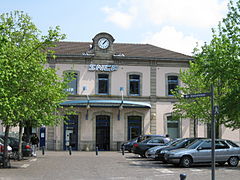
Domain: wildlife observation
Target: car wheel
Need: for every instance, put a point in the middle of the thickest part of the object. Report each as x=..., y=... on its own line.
x=164, y=161
x=186, y=161
x=143, y=155
x=233, y=161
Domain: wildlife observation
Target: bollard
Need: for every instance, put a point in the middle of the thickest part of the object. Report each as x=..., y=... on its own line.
x=183, y=176
x=123, y=149
x=96, y=151
x=70, y=150
x=43, y=150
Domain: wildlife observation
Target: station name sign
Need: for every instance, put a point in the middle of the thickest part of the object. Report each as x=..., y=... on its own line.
x=104, y=68
x=196, y=95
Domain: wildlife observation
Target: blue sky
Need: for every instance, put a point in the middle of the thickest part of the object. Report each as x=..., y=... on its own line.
x=172, y=24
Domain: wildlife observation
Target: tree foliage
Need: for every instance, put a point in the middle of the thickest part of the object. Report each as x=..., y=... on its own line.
x=217, y=63
x=30, y=91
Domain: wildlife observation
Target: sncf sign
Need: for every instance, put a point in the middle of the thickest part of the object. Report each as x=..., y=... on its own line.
x=100, y=67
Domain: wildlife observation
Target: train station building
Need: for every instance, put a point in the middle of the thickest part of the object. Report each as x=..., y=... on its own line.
x=120, y=91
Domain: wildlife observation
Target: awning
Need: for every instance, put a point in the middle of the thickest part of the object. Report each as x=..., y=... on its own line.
x=106, y=103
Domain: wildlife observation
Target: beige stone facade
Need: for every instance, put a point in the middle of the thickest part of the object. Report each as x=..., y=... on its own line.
x=148, y=110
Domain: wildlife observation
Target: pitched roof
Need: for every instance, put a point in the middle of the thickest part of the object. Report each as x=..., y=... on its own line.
x=128, y=50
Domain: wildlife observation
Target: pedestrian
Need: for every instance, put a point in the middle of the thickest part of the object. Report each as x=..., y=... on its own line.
x=24, y=137
x=34, y=141
x=167, y=139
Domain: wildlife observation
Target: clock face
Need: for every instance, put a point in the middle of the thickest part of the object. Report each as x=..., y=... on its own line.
x=103, y=43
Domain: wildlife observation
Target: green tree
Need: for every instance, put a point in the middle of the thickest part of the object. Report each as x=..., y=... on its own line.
x=217, y=63
x=30, y=92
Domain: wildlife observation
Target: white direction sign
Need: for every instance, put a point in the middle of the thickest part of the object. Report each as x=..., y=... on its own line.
x=186, y=96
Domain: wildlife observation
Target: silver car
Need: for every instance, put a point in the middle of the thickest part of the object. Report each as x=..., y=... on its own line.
x=151, y=153
x=200, y=152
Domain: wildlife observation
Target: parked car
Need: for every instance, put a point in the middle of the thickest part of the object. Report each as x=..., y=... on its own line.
x=129, y=144
x=151, y=152
x=142, y=147
x=149, y=136
x=177, y=145
x=200, y=152
x=2, y=150
x=14, y=142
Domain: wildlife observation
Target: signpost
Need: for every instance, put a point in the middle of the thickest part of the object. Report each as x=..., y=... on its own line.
x=196, y=95
x=215, y=110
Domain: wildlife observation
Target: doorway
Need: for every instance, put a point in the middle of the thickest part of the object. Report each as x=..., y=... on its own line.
x=71, y=132
x=134, y=126
x=173, y=129
x=103, y=132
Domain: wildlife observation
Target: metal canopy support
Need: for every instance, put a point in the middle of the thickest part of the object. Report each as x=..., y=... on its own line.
x=121, y=104
x=88, y=104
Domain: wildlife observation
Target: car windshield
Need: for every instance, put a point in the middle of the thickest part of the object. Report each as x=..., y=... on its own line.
x=194, y=144
x=178, y=142
x=146, y=140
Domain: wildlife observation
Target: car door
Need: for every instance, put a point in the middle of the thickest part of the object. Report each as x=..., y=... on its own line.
x=222, y=151
x=203, y=153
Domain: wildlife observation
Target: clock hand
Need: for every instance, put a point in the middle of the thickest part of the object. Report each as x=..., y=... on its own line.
x=104, y=41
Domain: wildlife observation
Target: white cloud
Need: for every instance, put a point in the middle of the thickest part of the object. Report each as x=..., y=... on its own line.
x=171, y=39
x=121, y=19
x=191, y=13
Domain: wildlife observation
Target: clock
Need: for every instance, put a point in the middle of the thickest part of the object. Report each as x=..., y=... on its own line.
x=103, y=43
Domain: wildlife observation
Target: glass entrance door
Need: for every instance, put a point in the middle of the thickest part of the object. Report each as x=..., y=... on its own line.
x=103, y=132
x=173, y=127
x=134, y=126
x=71, y=132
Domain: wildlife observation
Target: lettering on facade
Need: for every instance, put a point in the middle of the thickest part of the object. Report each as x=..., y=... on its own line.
x=100, y=67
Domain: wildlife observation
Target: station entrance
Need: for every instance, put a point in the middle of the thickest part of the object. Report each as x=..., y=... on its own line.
x=103, y=132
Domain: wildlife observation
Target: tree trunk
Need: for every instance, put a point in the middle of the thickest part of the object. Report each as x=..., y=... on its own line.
x=5, y=152
x=195, y=127
x=19, y=154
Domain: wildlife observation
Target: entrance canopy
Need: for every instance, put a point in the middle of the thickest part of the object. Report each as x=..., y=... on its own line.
x=106, y=103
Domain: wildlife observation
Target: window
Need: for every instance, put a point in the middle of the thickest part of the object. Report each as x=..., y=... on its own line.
x=103, y=83
x=206, y=145
x=221, y=145
x=172, y=83
x=134, y=126
x=72, y=85
x=156, y=141
x=134, y=84
x=173, y=127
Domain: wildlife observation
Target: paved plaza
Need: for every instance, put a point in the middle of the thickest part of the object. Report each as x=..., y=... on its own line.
x=106, y=166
